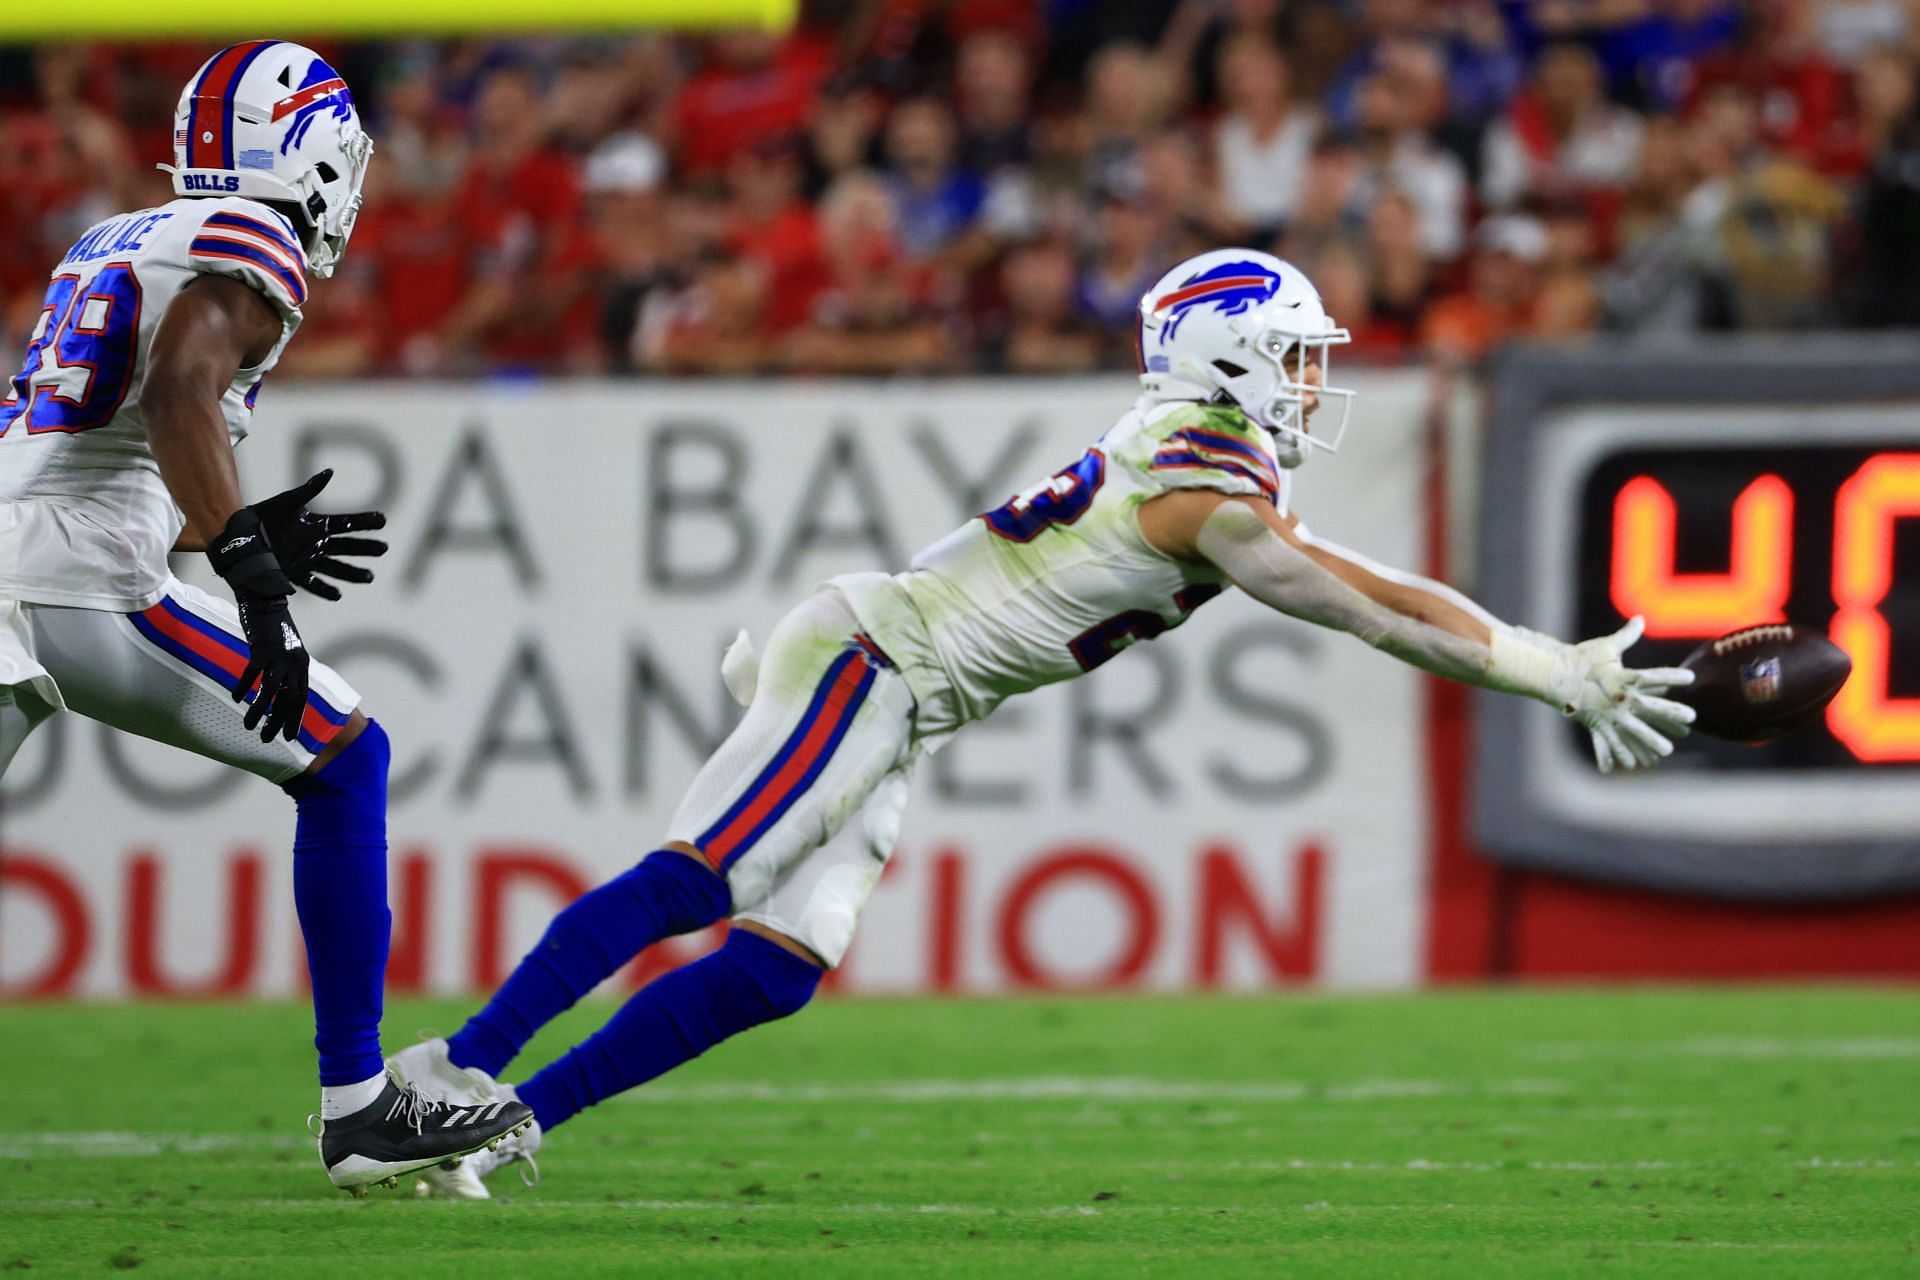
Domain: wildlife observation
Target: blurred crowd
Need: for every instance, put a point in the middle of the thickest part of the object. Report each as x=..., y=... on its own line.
x=988, y=185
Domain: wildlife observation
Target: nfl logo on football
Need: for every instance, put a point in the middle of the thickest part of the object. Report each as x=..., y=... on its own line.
x=1760, y=679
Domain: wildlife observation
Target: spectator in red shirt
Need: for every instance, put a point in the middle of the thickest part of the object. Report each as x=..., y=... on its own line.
x=410, y=240
x=518, y=206
x=715, y=326
x=1805, y=104
x=754, y=88
x=1400, y=272
x=773, y=226
x=876, y=317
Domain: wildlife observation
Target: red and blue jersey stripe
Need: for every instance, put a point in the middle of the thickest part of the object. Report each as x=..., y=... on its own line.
x=270, y=255
x=272, y=232
x=1196, y=449
x=210, y=115
x=222, y=658
x=799, y=762
x=1214, y=440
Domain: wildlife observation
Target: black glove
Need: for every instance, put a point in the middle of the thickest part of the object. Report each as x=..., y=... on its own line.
x=276, y=659
x=306, y=543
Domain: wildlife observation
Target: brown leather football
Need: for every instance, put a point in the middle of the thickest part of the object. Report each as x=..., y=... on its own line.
x=1761, y=683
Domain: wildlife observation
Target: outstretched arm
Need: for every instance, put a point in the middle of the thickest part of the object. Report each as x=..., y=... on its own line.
x=1433, y=628
x=1261, y=554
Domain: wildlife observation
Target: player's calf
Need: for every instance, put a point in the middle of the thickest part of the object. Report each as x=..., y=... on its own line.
x=666, y=895
x=340, y=895
x=749, y=981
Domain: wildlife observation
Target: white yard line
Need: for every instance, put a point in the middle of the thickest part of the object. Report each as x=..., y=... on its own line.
x=121, y=1144
x=1090, y=1089
x=1894, y=1048
x=28, y=1146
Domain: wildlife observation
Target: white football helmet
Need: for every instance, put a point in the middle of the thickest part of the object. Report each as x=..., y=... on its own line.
x=270, y=120
x=1240, y=325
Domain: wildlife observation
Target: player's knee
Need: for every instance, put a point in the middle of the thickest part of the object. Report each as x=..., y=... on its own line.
x=784, y=980
x=359, y=768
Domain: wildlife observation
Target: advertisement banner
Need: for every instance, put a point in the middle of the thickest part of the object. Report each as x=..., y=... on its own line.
x=1240, y=803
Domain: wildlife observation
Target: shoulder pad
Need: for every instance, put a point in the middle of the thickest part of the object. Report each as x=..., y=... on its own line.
x=250, y=242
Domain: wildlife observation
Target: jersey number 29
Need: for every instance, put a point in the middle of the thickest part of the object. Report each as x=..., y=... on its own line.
x=80, y=360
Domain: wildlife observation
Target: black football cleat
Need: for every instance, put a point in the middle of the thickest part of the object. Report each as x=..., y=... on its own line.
x=404, y=1131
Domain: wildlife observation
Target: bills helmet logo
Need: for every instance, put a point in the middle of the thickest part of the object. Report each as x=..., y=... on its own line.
x=321, y=91
x=1230, y=288
x=1760, y=679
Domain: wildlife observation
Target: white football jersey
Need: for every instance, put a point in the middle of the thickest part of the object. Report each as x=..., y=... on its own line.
x=85, y=519
x=1061, y=578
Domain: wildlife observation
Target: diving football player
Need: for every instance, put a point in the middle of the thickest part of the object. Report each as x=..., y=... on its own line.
x=1186, y=496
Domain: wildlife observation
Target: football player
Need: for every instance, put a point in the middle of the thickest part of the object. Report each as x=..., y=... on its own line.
x=1186, y=496
x=116, y=446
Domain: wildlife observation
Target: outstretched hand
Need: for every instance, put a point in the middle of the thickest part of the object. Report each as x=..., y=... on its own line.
x=309, y=544
x=1633, y=726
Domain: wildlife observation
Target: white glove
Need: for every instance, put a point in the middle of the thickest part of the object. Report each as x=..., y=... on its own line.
x=1631, y=724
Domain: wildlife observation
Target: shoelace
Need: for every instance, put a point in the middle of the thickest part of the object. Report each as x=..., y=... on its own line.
x=414, y=1107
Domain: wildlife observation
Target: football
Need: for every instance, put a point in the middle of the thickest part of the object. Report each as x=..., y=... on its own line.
x=1761, y=683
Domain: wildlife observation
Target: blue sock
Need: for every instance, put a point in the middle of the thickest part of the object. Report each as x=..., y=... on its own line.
x=340, y=893
x=667, y=894
x=672, y=1020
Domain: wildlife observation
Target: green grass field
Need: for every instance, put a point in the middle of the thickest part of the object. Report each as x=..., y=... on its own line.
x=1643, y=1134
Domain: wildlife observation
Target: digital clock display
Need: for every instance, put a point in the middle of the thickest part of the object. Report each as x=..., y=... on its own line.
x=1707, y=489
x=1702, y=540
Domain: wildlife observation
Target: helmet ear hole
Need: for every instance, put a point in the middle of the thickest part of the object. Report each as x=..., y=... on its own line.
x=327, y=172
x=1229, y=368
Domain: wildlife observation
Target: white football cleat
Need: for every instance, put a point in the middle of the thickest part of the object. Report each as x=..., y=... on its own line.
x=465, y=1179
x=427, y=1068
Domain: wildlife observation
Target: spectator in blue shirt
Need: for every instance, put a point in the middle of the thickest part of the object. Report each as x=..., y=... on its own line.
x=934, y=201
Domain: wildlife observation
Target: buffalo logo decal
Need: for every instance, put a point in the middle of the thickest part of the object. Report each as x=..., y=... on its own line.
x=1231, y=288
x=322, y=90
